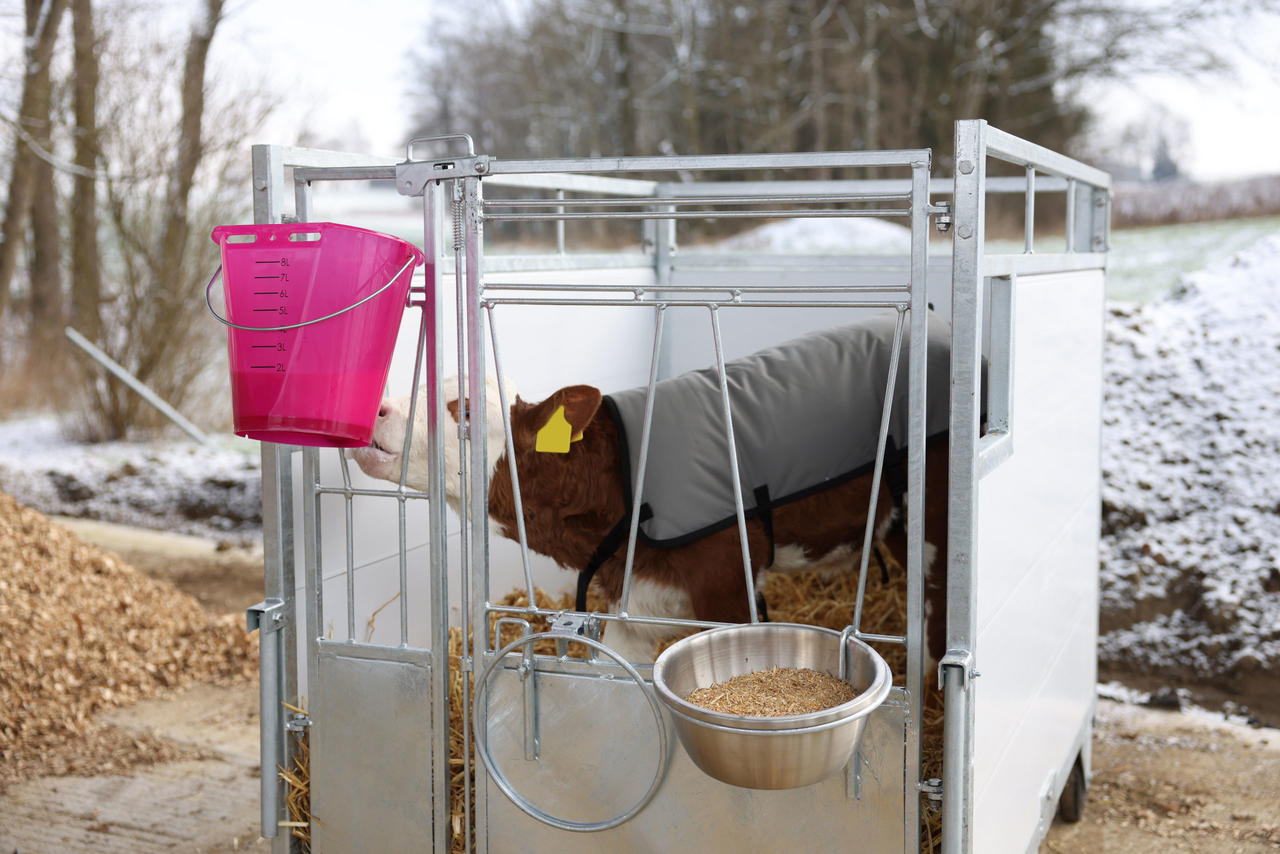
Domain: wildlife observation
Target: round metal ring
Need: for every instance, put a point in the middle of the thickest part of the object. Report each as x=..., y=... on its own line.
x=482, y=743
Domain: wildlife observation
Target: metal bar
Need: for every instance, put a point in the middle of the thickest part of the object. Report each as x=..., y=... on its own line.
x=664, y=290
x=267, y=617
x=433, y=309
x=677, y=163
x=573, y=183
x=734, y=475
x=764, y=214
x=477, y=509
x=1071, y=215
x=560, y=202
x=277, y=502
x=638, y=495
x=864, y=303
x=917, y=371
x=1011, y=149
x=966, y=353
x=381, y=493
x=937, y=186
x=877, y=469
x=560, y=223
x=137, y=385
x=1029, y=216
x=521, y=535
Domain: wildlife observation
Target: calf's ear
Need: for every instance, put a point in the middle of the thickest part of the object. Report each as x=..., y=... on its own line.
x=561, y=418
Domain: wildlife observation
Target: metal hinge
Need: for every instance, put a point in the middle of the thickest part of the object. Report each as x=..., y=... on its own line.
x=297, y=722
x=931, y=789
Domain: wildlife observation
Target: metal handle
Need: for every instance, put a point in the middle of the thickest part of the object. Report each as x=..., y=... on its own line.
x=482, y=741
x=466, y=137
x=218, y=272
x=268, y=618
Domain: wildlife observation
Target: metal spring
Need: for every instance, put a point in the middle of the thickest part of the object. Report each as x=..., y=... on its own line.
x=457, y=224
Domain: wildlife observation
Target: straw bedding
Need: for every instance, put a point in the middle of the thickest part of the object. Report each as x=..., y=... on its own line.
x=800, y=598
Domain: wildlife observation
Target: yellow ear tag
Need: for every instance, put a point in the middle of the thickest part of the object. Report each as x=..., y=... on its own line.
x=555, y=435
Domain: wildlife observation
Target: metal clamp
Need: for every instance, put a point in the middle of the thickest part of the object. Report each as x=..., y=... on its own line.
x=480, y=736
x=962, y=660
x=570, y=625
x=208, y=300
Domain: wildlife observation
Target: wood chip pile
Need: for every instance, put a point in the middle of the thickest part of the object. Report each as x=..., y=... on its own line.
x=81, y=631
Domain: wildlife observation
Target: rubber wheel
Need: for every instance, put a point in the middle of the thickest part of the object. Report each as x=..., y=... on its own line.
x=1071, y=804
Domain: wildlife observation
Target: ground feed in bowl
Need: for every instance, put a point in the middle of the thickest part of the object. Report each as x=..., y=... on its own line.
x=774, y=692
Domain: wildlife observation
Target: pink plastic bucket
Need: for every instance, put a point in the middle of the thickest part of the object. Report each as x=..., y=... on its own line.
x=312, y=315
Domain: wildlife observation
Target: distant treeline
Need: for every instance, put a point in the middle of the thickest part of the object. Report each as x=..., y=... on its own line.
x=1169, y=202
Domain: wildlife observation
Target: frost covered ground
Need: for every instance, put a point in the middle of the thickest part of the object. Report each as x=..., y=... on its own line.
x=1191, y=485
x=210, y=490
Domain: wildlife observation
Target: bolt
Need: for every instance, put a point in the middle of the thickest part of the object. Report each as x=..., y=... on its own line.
x=965, y=232
x=966, y=166
x=481, y=166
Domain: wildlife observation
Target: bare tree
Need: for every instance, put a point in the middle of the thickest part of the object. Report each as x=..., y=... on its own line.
x=86, y=273
x=32, y=134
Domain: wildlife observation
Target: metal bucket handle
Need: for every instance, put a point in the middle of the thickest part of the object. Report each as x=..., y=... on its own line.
x=482, y=743
x=208, y=300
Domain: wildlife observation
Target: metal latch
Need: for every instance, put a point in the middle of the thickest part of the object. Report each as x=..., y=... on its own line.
x=943, y=212
x=571, y=624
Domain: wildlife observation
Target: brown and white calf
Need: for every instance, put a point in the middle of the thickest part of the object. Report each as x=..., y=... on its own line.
x=573, y=500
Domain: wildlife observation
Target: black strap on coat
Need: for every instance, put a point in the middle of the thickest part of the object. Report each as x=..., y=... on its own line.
x=612, y=540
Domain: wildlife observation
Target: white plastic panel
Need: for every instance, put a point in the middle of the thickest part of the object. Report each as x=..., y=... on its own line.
x=1037, y=562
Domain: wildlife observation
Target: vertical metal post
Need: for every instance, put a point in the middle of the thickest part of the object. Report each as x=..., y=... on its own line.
x=734, y=476
x=433, y=218
x=473, y=207
x=917, y=373
x=1071, y=215
x=966, y=353
x=269, y=192
x=1029, y=231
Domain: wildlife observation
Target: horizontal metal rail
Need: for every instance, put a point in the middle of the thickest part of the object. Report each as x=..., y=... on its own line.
x=694, y=163
x=767, y=214
x=1011, y=149
x=605, y=616
x=640, y=290
x=659, y=300
x=701, y=199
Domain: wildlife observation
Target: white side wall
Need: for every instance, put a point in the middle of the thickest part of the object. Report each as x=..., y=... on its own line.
x=1037, y=564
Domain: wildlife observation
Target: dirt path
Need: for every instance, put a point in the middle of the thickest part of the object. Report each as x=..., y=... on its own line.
x=1163, y=781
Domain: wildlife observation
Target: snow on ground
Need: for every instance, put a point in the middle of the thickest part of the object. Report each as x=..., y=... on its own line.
x=1191, y=483
x=819, y=236
x=210, y=490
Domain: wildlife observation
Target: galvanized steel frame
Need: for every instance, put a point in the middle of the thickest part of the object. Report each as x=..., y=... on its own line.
x=974, y=455
x=457, y=182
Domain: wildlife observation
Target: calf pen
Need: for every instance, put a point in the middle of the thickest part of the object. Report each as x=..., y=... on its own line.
x=367, y=583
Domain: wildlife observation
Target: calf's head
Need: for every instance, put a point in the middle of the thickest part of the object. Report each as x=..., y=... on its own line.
x=546, y=427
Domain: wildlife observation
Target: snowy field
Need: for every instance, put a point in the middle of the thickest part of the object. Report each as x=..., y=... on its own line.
x=1191, y=445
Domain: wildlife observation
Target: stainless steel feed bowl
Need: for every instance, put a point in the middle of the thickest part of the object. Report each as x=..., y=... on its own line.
x=761, y=752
